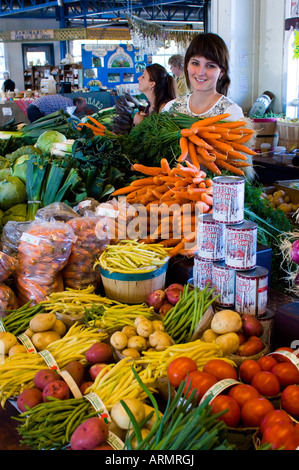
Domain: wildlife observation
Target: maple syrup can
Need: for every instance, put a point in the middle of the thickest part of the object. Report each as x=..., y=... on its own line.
x=228, y=199
x=202, y=272
x=223, y=280
x=252, y=291
x=210, y=238
x=241, y=246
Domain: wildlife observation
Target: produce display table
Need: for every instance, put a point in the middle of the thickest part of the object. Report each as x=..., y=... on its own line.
x=10, y=109
x=269, y=170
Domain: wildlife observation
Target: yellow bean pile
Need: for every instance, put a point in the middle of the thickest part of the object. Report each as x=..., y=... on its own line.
x=131, y=256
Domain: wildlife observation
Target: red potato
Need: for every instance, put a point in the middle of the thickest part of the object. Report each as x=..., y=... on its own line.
x=84, y=386
x=99, y=352
x=44, y=376
x=156, y=299
x=251, y=326
x=57, y=389
x=95, y=369
x=165, y=308
x=89, y=434
x=104, y=446
x=173, y=293
x=76, y=370
x=30, y=397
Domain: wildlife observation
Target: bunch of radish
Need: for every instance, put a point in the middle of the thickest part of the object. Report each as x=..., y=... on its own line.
x=162, y=300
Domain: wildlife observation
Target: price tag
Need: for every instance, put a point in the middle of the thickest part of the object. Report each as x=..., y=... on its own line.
x=99, y=406
x=25, y=340
x=49, y=359
x=106, y=212
x=28, y=238
x=115, y=441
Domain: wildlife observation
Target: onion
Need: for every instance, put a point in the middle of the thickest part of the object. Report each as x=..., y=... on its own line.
x=295, y=252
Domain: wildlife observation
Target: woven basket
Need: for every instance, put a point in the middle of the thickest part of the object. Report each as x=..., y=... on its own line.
x=288, y=134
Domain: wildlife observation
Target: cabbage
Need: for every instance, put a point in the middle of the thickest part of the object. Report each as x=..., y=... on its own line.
x=47, y=139
x=12, y=191
x=17, y=213
x=5, y=173
x=4, y=163
x=19, y=168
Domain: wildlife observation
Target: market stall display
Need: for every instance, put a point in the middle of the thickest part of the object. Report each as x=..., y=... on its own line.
x=114, y=213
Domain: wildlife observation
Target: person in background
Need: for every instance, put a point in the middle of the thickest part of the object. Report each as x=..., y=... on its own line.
x=206, y=70
x=48, y=104
x=8, y=84
x=159, y=87
x=176, y=63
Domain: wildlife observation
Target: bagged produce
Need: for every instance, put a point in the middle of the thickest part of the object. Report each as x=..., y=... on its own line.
x=11, y=236
x=8, y=300
x=59, y=211
x=8, y=265
x=79, y=271
x=43, y=252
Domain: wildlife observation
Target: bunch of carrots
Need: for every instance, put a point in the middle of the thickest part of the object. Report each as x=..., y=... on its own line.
x=97, y=128
x=183, y=187
x=217, y=145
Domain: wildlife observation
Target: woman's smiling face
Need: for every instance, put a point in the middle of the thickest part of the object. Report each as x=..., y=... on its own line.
x=203, y=73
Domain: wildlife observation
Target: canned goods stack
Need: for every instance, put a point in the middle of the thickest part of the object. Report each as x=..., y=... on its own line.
x=227, y=249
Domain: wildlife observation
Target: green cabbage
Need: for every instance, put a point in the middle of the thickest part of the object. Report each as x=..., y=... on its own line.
x=12, y=191
x=4, y=163
x=5, y=173
x=17, y=213
x=19, y=168
x=47, y=139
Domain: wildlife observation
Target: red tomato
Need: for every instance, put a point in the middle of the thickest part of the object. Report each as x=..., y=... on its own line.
x=243, y=392
x=274, y=417
x=290, y=400
x=267, y=362
x=248, y=369
x=266, y=383
x=280, y=435
x=254, y=410
x=220, y=369
x=201, y=381
x=179, y=368
x=287, y=374
x=223, y=402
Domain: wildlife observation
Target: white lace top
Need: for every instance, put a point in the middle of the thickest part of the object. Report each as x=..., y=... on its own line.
x=223, y=105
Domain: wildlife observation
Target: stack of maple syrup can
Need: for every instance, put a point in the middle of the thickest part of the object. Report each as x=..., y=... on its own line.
x=227, y=251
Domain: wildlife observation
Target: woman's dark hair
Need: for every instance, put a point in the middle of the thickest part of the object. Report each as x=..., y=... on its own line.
x=165, y=85
x=212, y=47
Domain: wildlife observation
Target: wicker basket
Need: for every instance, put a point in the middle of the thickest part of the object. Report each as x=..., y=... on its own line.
x=288, y=134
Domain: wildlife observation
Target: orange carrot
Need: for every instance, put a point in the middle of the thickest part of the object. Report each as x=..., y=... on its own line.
x=209, y=165
x=203, y=207
x=236, y=155
x=231, y=168
x=202, y=129
x=209, y=135
x=97, y=123
x=218, y=155
x=238, y=163
x=146, y=170
x=199, y=142
x=206, y=155
x=122, y=191
x=193, y=154
x=243, y=148
x=187, y=132
x=207, y=199
x=232, y=125
x=229, y=136
x=184, y=149
x=165, y=166
x=244, y=139
x=211, y=120
x=187, y=239
x=223, y=147
x=86, y=124
x=143, y=181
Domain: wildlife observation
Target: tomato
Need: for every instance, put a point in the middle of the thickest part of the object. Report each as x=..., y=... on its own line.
x=266, y=383
x=254, y=410
x=280, y=435
x=223, y=402
x=220, y=369
x=179, y=368
x=248, y=369
x=290, y=400
x=201, y=381
x=287, y=374
x=274, y=417
x=267, y=362
x=243, y=392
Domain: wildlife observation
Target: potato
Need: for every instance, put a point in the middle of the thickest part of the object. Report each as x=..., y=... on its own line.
x=209, y=336
x=129, y=331
x=17, y=348
x=158, y=325
x=160, y=340
x=226, y=321
x=137, y=342
x=44, y=338
x=138, y=319
x=144, y=328
x=59, y=327
x=150, y=423
x=29, y=333
x=228, y=342
x=131, y=352
x=120, y=416
x=134, y=442
x=29, y=397
x=118, y=340
x=42, y=322
x=7, y=340
x=89, y=434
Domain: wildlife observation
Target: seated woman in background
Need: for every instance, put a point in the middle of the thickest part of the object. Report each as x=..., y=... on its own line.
x=159, y=87
x=206, y=69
